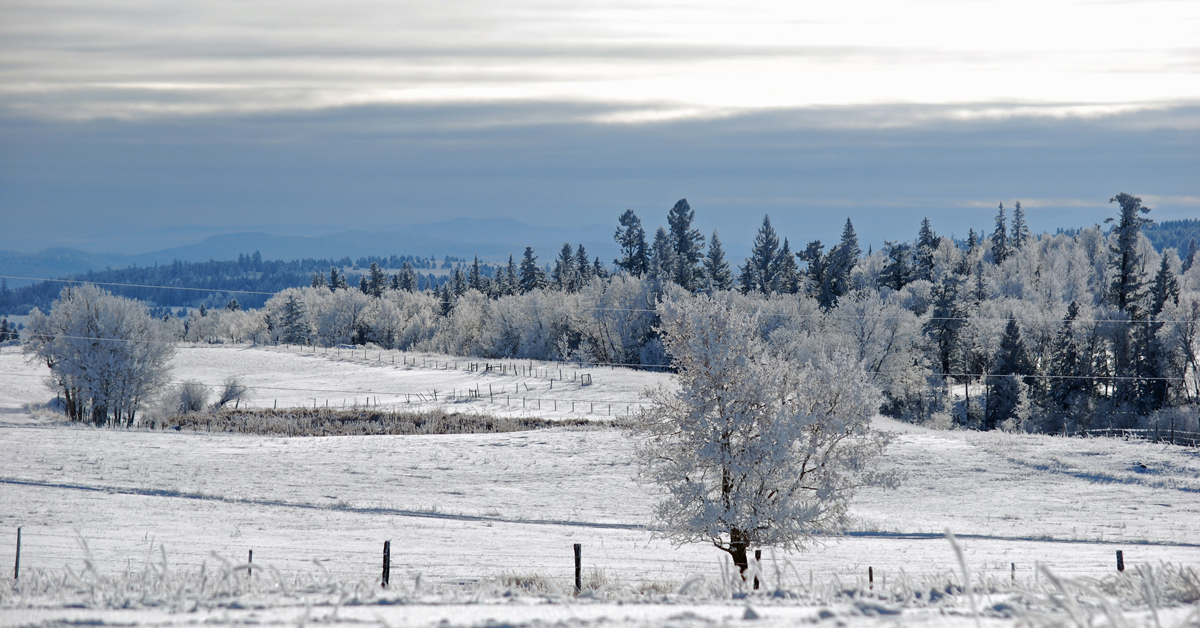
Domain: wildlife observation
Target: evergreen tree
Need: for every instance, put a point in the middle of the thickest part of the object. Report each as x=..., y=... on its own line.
x=898, y=270
x=566, y=277
x=717, y=273
x=816, y=268
x=363, y=286
x=662, y=261
x=598, y=269
x=318, y=280
x=293, y=322
x=1020, y=231
x=927, y=244
x=631, y=237
x=582, y=266
x=787, y=275
x=511, y=284
x=458, y=281
x=1012, y=358
x=233, y=305
x=964, y=263
x=839, y=268
x=1070, y=370
x=532, y=276
x=1000, y=239
x=336, y=280
x=758, y=275
x=1189, y=257
x=944, y=327
x=377, y=280
x=1127, y=287
x=475, y=278
x=406, y=279
x=688, y=245
x=446, y=299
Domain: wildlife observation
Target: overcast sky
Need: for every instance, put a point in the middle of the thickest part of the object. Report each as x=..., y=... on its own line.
x=122, y=117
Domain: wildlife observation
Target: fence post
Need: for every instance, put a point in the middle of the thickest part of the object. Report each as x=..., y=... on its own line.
x=1120, y=560
x=871, y=577
x=17, y=566
x=1014, y=572
x=578, y=568
x=757, y=566
x=387, y=562
x=250, y=564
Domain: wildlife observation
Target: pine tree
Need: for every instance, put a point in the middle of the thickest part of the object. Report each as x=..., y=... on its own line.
x=1127, y=287
x=363, y=286
x=662, y=261
x=1070, y=368
x=839, y=268
x=532, y=276
x=318, y=280
x=688, y=245
x=717, y=273
x=582, y=266
x=944, y=327
x=458, y=281
x=758, y=274
x=475, y=277
x=336, y=280
x=1020, y=231
x=631, y=237
x=565, y=276
x=816, y=269
x=1000, y=239
x=406, y=279
x=293, y=322
x=233, y=305
x=446, y=299
x=927, y=244
x=376, y=280
x=598, y=269
x=1012, y=358
x=898, y=270
x=1189, y=257
x=512, y=283
x=787, y=275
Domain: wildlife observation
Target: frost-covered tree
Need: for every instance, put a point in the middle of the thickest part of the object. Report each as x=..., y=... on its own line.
x=1012, y=358
x=927, y=245
x=688, y=245
x=717, y=275
x=662, y=260
x=532, y=276
x=566, y=274
x=1020, y=230
x=106, y=354
x=753, y=450
x=758, y=274
x=631, y=237
x=1000, y=238
x=377, y=280
x=787, y=275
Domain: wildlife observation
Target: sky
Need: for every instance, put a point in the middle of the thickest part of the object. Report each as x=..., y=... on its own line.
x=134, y=124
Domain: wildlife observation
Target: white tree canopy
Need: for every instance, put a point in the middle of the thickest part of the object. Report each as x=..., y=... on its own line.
x=753, y=449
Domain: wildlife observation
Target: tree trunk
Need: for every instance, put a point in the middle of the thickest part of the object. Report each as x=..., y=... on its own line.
x=738, y=543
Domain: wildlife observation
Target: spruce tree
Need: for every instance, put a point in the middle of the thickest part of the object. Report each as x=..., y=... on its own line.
x=293, y=322
x=511, y=284
x=688, y=245
x=565, y=276
x=598, y=269
x=376, y=280
x=898, y=270
x=1020, y=231
x=406, y=279
x=475, y=277
x=318, y=280
x=458, y=281
x=787, y=275
x=839, y=268
x=1189, y=257
x=1070, y=370
x=631, y=237
x=758, y=274
x=662, y=261
x=816, y=269
x=583, y=266
x=1127, y=286
x=532, y=276
x=717, y=273
x=944, y=327
x=1000, y=239
x=1012, y=358
x=927, y=243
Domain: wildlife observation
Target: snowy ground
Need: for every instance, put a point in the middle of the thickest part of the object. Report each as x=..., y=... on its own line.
x=463, y=511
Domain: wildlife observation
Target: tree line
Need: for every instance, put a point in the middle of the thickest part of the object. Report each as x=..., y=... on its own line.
x=1067, y=331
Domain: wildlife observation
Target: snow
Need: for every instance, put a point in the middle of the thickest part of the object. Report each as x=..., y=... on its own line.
x=469, y=508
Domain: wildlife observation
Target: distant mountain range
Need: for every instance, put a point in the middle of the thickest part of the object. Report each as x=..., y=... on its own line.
x=492, y=239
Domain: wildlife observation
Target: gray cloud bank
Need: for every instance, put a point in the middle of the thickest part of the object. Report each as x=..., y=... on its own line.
x=131, y=186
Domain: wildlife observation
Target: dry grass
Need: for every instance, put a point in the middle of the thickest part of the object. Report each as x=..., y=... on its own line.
x=362, y=422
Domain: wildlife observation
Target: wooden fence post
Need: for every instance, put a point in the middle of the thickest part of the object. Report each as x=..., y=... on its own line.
x=757, y=566
x=387, y=562
x=578, y=568
x=1120, y=560
x=17, y=566
x=250, y=564
x=871, y=577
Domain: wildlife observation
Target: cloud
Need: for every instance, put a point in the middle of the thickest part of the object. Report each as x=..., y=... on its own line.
x=642, y=62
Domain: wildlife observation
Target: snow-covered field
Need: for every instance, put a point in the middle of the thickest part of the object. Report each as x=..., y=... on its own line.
x=465, y=512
